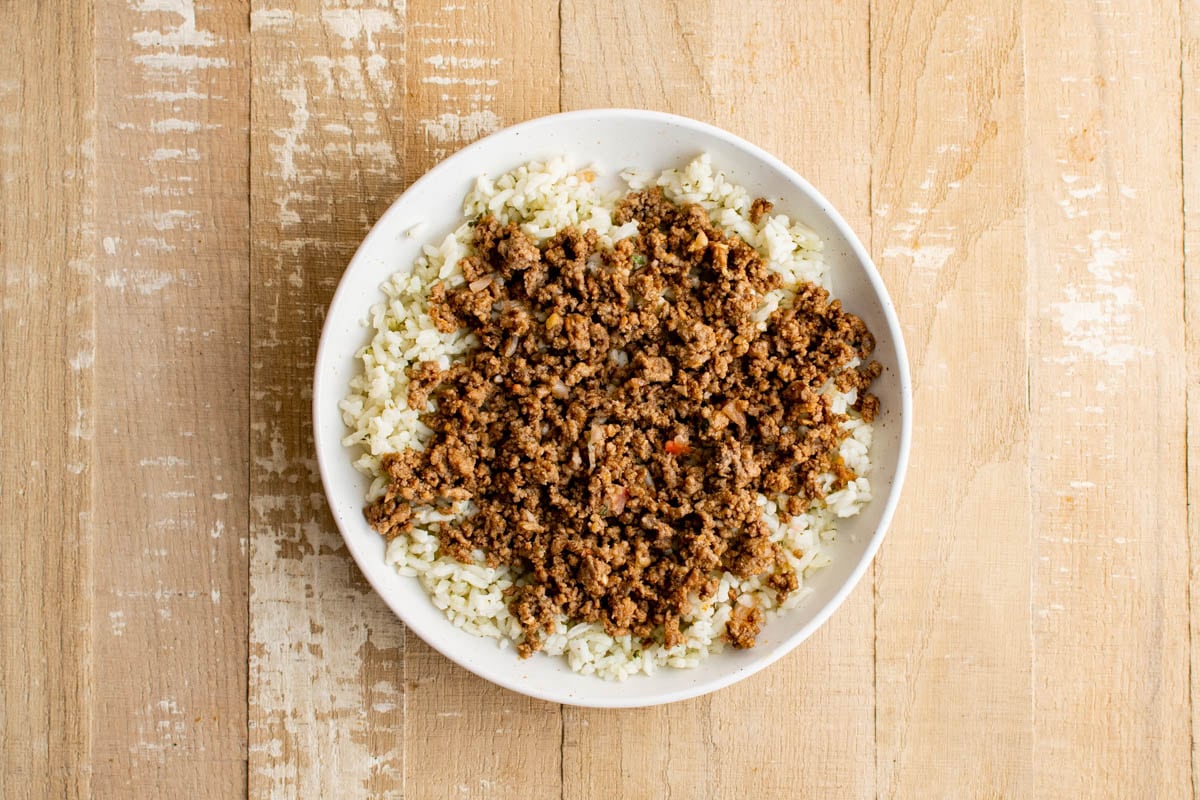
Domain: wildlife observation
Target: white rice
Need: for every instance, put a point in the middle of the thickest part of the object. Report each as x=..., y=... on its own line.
x=543, y=198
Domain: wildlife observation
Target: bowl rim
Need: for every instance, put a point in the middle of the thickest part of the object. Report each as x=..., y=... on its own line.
x=891, y=502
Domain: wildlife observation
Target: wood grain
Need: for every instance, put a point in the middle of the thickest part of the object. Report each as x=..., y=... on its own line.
x=47, y=119
x=660, y=50
x=1104, y=232
x=183, y=182
x=663, y=751
x=171, y=353
x=1190, y=131
x=776, y=731
x=326, y=656
x=953, y=653
x=471, y=72
x=698, y=59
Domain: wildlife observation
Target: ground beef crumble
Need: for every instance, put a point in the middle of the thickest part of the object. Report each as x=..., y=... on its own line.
x=620, y=416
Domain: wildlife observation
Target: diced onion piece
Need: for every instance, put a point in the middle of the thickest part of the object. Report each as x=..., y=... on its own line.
x=595, y=438
x=618, y=500
x=735, y=415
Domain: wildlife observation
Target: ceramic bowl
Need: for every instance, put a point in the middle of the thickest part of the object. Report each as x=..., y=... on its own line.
x=613, y=139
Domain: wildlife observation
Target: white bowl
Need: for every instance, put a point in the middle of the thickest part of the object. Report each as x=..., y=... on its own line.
x=613, y=139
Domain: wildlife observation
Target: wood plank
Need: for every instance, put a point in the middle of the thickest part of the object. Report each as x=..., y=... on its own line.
x=47, y=123
x=664, y=751
x=661, y=751
x=471, y=71
x=773, y=731
x=1190, y=75
x=701, y=59
x=1110, y=581
x=171, y=348
x=326, y=655
x=657, y=61
x=953, y=652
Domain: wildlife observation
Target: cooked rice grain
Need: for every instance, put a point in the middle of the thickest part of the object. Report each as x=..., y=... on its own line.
x=544, y=198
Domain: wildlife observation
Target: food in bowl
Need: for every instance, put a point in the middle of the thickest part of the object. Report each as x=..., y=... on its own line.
x=618, y=426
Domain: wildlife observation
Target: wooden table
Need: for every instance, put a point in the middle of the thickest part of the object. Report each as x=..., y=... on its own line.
x=182, y=184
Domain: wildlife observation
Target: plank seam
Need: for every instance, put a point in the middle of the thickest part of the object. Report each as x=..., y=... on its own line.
x=250, y=488
x=1030, y=317
x=1189, y=389
x=875, y=563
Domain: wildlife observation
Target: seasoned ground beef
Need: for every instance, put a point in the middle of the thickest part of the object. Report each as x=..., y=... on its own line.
x=621, y=415
x=759, y=209
x=744, y=624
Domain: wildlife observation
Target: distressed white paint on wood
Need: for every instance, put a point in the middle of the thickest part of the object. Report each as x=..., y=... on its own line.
x=1048, y=222
x=1108, y=393
x=471, y=70
x=171, y=349
x=326, y=669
